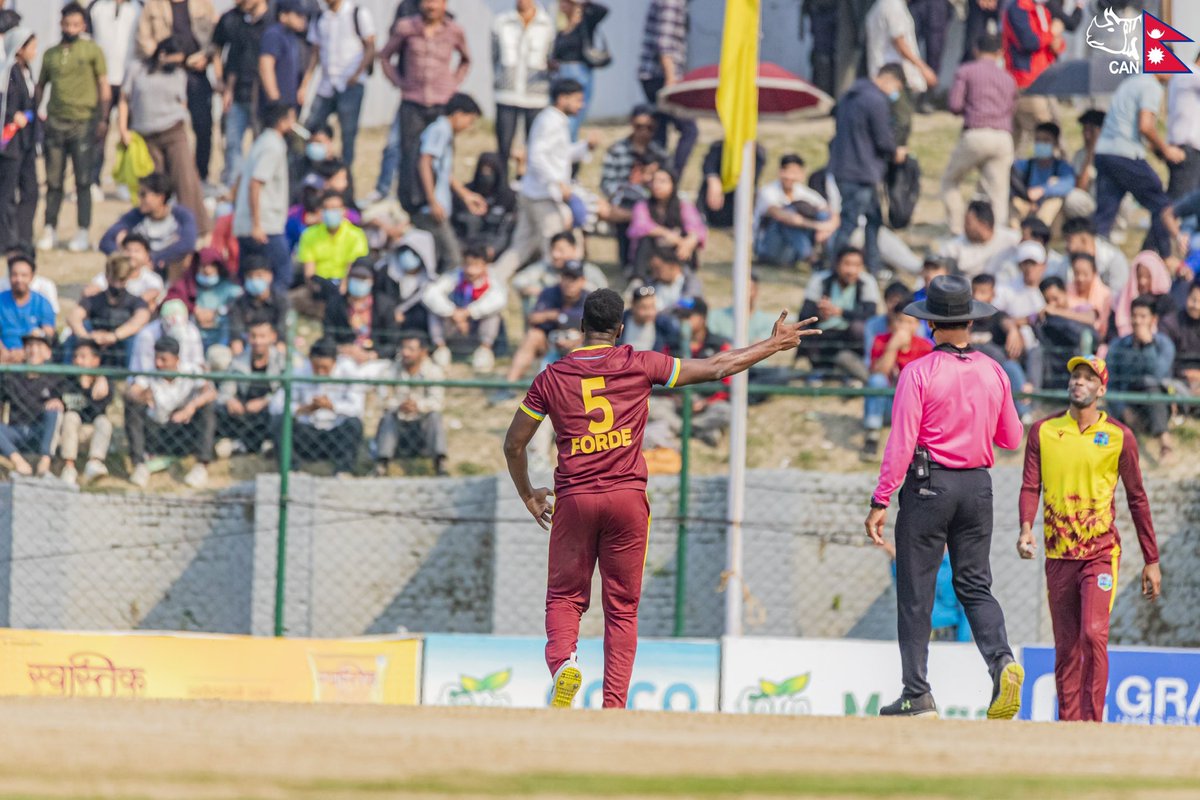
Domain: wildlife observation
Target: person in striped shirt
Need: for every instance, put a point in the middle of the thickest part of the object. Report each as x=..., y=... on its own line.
x=1074, y=460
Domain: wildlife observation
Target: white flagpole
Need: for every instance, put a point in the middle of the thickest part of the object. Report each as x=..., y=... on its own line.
x=743, y=207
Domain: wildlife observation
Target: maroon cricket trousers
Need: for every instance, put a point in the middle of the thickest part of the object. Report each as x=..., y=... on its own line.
x=1081, y=599
x=610, y=529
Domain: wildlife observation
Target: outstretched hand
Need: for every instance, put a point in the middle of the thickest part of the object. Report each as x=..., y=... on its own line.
x=787, y=335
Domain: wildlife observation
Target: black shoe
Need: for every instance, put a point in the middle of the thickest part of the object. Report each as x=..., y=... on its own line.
x=1006, y=690
x=870, y=448
x=922, y=706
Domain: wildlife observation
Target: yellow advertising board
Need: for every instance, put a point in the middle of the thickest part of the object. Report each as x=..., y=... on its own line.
x=171, y=666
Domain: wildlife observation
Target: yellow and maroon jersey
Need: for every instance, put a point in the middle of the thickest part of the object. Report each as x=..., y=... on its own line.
x=597, y=398
x=1078, y=471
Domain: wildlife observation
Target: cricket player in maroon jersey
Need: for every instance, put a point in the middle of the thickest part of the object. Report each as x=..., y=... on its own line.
x=597, y=399
x=1075, y=459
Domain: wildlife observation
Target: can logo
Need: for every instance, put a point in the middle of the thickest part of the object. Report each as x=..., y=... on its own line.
x=1105, y=582
x=1101, y=439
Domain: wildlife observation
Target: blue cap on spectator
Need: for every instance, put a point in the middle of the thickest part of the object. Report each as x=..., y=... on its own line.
x=289, y=7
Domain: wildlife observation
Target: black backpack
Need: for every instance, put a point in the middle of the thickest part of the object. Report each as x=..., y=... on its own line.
x=903, y=192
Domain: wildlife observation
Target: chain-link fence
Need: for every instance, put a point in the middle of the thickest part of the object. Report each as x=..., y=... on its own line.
x=343, y=501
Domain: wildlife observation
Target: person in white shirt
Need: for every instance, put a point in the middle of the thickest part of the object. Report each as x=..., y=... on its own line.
x=521, y=44
x=1022, y=301
x=980, y=241
x=892, y=39
x=1183, y=130
x=467, y=304
x=790, y=219
x=411, y=424
x=114, y=28
x=546, y=185
x=1005, y=265
x=176, y=413
x=343, y=40
x=143, y=282
x=172, y=322
x=328, y=416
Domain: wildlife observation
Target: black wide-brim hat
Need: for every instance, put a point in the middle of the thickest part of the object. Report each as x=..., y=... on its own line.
x=948, y=299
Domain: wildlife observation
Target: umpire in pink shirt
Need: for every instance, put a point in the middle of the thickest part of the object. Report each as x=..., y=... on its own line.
x=950, y=408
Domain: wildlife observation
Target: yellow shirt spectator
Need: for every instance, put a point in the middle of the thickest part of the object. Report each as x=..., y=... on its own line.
x=329, y=255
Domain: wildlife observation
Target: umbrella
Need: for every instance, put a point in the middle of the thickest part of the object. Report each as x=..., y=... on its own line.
x=1079, y=78
x=781, y=95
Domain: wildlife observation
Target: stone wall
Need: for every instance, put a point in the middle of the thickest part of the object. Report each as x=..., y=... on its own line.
x=371, y=555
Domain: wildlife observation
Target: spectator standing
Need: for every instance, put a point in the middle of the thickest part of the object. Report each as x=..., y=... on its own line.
x=546, y=185
x=985, y=95
x=1183, y=131
x=412, y=424
x=1142, y=362
x=438, y=186
x=822, y=19
x=863, y=145
x=890, y=353
x=34, y=408
x=113, y=25
x=280, y=56
x=170, y=416
x=190, y=23
x=983, y=17
x=521, y=43
x=244, y=407
x=467, y=304
x=75, y=72
x=981, y=240
x=328, y=416
x=892, y=39
x=842, y=299
x=790, y=219
x=419, y=59
x=85, y=401
x=932, y=20
x=261, y=207
x=665, y=220
x=343, y=44
x=574, y=47
x=169, y=229
x=154, y=104
x=1032, y=42
x=261, y=299
x=109, y=319
x=1121, y=165
x=238, y=34
x=1041, y=184
x=18, y=160
x=22, y=310
x=663, y=60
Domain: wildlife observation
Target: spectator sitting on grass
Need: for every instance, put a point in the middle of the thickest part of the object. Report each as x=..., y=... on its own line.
x=1111, y=264
x=891, y=352
x=34, y=406
x=673, y=282
x=110, y=319
x=466, y=305
x=411, y=424
x=1143, y=362
x=1183, y=329
x=664, y=220
x=1000, y=339
x=1005, y=267
x=980, y=241
x=326, y=251
x=41, y=284
x=557, y=308
x=244, y=407
x=328, y=416
x=209, y=293
x=720, y=322
x=1087, y=292
x=790, y=219
x=647, y=329
x=22, y=310
x=842, y=299
x=172, y=321
x=85, y=399
x=143, y=281
x=170, y=415
x=710, y=412
x=362, y=322
x=878, y=324
x=260, y=299
x=170, y=229
x=546, y=273
x=1062, y=332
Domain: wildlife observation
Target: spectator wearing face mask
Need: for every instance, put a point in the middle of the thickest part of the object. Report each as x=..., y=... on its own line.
x=494, y=227
x=466, y=305
x=112, y=317
x=261, y=209
x=1040, y=185
x=361, y=322
x=326, y=251
x=172, y=322
x=209, y=293
x=403, y=277
x=259, y=300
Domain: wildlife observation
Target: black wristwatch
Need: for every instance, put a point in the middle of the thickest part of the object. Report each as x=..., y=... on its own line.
x=876, y=504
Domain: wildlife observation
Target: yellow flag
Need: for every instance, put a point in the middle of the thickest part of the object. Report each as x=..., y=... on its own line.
x=737, y=91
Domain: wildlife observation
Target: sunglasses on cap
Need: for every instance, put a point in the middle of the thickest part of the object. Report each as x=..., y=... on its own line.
x=643, y=291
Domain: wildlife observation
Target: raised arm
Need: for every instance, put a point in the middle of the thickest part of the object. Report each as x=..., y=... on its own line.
x=784, y=336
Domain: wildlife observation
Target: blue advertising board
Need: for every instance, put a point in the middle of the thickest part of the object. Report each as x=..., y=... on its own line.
x=668, y=675
x=1145, y=686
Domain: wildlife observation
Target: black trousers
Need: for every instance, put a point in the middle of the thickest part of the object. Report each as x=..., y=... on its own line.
x=1185, y=176
x=507, y=120
x=951, y=508
x=414, y=119
x=686, y=128
x=250, y=429
x=199, y=100
x=978, y=22
x=18, y=198
x=171, y=439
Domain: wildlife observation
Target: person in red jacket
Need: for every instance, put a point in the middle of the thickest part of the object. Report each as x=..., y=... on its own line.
x=1033, y=40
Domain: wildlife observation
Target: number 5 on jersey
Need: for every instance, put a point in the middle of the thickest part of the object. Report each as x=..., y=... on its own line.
x=602, y=437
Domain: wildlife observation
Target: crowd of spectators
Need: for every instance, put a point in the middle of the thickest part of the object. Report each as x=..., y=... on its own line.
x=201, y=274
